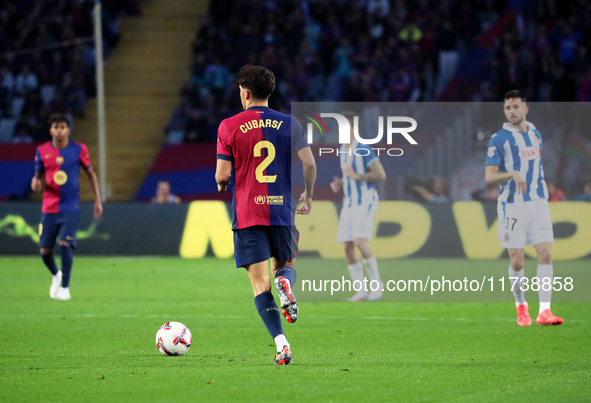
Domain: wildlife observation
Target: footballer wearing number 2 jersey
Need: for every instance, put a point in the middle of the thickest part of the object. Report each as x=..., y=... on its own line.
x=255, y=147
x=514, y=160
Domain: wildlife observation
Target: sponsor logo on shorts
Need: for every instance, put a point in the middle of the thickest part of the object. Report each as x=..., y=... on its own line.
x=270, y=200
x=506, y=237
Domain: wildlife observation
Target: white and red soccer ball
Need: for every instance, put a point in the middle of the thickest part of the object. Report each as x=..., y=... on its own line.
x=173, y=338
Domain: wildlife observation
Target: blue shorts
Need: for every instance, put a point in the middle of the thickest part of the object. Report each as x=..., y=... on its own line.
x=259, y=243
x=63, y=225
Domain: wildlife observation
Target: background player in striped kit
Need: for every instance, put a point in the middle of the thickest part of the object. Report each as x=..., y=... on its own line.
x=361, y=169
x=514, y=159
x=256, y=146
x=60, y=160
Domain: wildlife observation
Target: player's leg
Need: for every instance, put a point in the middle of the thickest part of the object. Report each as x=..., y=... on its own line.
x=252, y=250
x=516, y=274
x=541, y=235
x=47, y=236
x=354, y=265
x=355, y=268
x=362, y=232
x=545, y=275
x=370, y=264
x=284, y=245
x=67, y=261
x=67, y=241
x=512, y=232
x=258, y=273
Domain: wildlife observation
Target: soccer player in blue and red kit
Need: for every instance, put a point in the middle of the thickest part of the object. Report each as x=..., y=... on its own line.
x=59, y=160
x=256, y=146
x=514, y=160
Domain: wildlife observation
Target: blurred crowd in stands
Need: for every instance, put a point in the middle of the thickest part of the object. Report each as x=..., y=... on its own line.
x=382, y=50
x=545, y=52
x=47, y=60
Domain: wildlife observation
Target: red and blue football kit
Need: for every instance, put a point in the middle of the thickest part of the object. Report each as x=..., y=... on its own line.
x=62, y=170
x=61, y=199
x=260, y=142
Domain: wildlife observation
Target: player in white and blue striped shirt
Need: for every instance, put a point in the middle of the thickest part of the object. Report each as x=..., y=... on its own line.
x=361, y=169
x=514, y=160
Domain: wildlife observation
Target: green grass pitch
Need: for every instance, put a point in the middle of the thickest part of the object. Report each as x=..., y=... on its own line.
x=99, y=347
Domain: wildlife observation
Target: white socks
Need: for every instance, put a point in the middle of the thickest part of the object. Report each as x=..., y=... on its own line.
x=356, y=271
x=371, y=265
x=545, y=293
x=281, y=341
x=517, y=290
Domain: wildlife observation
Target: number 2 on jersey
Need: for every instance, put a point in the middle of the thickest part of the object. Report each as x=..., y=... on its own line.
x=258, y=147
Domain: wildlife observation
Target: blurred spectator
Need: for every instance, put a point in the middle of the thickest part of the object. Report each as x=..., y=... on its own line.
x=6, y=90
x=26, y=81
x=163, y=194
x=586, y=195
x=46, y=48
x=178, y=120
x=332, y=50
x=488, y=194
x=439, y=192
x=381, y=50
x=556, y=194
x=23, y=132
x=543, y=49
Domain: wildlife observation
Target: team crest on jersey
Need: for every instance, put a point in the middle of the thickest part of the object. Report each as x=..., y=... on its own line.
x=491, y=151
x=506, y=237
x=59, y=160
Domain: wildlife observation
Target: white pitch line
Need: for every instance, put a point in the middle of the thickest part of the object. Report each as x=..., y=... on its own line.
x=384, y=318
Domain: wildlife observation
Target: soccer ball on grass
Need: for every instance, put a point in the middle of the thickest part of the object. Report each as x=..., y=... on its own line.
x=174, y=338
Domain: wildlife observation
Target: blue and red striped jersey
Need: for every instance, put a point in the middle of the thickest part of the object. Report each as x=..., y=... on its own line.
x=62, y=169
x=512, y=150
x=259, y=142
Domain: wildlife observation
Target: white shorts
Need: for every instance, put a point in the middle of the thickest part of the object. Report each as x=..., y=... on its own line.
x=357, y=222
x=526, y=223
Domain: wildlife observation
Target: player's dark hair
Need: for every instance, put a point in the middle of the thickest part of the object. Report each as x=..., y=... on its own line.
x=258, y=80
x=515, y=94
x=59, y=118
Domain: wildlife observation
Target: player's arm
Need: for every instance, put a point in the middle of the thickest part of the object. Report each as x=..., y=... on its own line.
x=425, y=194
x=309, y=168
x=337, y=184
x=493, y=177
x=36, y=181
x=376, y=173
x=39, y=169
x=223, y=169
x=98, y=205
x=223, y=174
